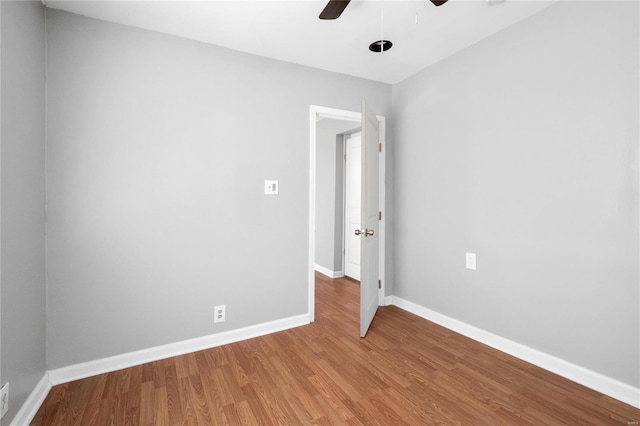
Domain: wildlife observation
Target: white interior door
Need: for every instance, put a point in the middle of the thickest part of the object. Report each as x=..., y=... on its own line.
x=369, y=230
x=353, y=210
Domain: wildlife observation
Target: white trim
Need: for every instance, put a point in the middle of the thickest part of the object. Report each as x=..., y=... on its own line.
x=31, y=406
x=381, y=205
x=388, y=300
x=336, y=114
x=315, y=113
x=591, y=379
x=311, y=281
x=328, y=272
x=118, y=362
x=343, y=237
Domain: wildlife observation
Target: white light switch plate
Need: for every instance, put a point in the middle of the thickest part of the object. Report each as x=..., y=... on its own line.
x=471, y=261
x=271, y=187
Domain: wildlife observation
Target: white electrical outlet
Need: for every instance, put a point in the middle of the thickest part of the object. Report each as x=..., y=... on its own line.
x=471, y=261
x=4, y=399
x=220, y=312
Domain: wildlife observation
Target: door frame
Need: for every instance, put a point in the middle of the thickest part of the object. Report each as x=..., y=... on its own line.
x=316, y=112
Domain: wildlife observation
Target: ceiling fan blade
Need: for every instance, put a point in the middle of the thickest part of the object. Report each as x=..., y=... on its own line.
x=438, y=2
x=334, y=9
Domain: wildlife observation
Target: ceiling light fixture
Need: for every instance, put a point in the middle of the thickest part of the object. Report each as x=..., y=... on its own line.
x=380, y=46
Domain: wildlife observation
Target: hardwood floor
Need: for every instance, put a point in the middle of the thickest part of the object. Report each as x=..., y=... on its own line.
x=406, y=371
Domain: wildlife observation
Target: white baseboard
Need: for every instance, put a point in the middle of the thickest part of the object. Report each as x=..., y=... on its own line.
x=118, y=362
x=591, y=379
x=328, y=272
x=30, y=407
x=388, y=300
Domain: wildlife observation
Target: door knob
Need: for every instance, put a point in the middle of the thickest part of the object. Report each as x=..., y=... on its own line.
x=358, y=232
x=368, y=232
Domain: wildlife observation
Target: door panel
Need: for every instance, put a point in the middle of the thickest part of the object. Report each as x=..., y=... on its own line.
x=369, y=237
x=353, y=209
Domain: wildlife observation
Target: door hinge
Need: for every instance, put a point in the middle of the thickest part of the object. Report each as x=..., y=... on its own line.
x=379, y=215
x=379, y=147
x=379, y=284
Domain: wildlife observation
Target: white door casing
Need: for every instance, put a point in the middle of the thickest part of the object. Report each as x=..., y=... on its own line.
x=370, y=227
x=352, y=208
x=316, y=113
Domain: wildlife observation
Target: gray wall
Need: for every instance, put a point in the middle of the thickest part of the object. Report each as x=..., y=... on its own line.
x=157, y=152
x=524, y=150
x=22, y=201
x=329, y=191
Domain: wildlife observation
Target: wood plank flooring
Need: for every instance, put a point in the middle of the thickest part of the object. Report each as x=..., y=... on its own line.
x=406, y=371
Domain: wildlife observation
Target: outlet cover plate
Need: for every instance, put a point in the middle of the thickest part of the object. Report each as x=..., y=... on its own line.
x=471, y=261
x=220, y=313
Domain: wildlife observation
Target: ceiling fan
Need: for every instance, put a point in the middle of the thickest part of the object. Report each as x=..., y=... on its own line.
x=334, y=8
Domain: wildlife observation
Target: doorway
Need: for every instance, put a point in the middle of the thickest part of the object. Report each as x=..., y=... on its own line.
x=318, y=113
x=331, y=198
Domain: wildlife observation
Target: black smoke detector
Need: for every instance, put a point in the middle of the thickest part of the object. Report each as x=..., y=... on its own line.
x=380, y=46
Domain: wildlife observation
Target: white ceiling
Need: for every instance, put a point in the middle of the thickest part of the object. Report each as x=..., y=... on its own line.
x=291, y=31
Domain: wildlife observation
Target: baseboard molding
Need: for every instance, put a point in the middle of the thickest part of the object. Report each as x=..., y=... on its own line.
x=118, y=362
x=591, y=379
x=599, y=382
x=30, y=407
x=328, y=272
x=388, y=300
